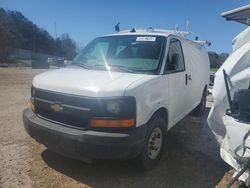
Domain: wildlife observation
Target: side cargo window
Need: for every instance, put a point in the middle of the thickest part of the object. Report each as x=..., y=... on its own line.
x=175, y=59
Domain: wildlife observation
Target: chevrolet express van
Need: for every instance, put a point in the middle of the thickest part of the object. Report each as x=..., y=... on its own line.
x=119, y=96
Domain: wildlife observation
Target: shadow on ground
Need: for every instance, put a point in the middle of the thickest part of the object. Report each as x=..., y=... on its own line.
x=191, y=159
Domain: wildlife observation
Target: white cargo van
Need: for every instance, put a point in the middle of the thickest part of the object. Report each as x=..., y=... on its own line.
x=119, y=96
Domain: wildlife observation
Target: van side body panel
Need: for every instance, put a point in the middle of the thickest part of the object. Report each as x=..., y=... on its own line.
x=159, y=91
x=197, y=63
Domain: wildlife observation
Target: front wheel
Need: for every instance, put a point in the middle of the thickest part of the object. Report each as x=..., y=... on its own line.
x=154, y=143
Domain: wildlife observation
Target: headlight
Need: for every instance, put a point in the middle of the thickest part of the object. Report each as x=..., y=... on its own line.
x=113, y=107
x=118, y=107
x=115, y=112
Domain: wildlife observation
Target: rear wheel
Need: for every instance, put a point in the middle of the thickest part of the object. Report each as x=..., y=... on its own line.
x=154, y=143
x=199, y=110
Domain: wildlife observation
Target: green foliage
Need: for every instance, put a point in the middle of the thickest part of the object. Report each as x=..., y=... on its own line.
x=216, y=60
x=16, y=31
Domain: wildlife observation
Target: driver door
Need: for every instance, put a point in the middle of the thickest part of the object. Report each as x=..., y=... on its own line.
x=175, y=76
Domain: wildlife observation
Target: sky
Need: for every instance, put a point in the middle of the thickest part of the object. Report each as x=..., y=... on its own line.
x=87, y=19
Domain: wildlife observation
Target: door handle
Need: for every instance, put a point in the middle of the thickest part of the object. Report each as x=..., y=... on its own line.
x=186, y=79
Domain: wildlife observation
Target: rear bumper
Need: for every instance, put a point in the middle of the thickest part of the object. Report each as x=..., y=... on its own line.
x=85, y=145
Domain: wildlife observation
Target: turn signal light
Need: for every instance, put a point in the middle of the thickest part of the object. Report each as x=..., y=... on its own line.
x=110, y=123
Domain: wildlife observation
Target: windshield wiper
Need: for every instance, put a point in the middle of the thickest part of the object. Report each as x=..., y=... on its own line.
x=80, y=65
x=123, y=68
x=99, y=66
x=95, y=66
x=103, y=67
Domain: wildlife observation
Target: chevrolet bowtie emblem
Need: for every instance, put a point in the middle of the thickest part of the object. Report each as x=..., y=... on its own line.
x=57, y=107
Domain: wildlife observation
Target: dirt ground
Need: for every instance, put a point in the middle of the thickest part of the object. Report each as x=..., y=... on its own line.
x=191, y=158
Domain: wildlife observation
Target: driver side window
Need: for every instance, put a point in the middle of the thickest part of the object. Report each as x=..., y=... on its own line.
x=175, y=58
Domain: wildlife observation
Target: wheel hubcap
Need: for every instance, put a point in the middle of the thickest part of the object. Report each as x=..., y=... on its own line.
x=155, y=143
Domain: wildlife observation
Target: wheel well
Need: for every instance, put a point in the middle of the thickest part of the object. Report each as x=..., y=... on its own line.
x=205, y=89
x=163, y=112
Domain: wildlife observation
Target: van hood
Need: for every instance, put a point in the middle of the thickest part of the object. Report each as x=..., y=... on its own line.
x=80, y=81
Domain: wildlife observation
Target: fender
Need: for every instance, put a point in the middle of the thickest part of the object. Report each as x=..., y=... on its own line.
x=154, y=111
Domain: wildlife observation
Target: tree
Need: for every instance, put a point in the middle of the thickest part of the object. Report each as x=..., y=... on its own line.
x=6, y=36
x=68, y=46
x=216, y=60
x=17, y=31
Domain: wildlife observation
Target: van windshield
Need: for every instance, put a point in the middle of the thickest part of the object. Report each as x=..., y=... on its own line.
x=128, y=53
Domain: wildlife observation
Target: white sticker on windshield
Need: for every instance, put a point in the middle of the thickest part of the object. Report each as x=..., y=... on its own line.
x=152, y=39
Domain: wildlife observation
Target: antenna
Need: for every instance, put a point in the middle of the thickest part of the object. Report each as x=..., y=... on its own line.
x=187, y=25
x=176, y=27
x=132, y=30
x=117, y=27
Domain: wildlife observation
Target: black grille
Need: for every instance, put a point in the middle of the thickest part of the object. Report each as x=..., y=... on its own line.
x=69, y=99
x=64, y=118
x=76, y=110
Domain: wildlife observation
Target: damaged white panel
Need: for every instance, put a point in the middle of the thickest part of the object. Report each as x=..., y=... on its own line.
x=232, y=134
x=237, y=66
x=231, y=147
x=241, y=39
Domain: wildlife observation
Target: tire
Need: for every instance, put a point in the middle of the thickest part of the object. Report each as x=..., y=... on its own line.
x=154, y=144
x=199, y=110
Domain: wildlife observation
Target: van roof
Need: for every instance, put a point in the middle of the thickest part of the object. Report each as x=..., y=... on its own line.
x=157, y=32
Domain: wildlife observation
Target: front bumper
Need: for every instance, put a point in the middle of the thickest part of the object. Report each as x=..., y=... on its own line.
x=85, y=145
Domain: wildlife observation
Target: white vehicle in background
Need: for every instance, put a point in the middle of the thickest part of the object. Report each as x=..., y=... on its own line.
x=120, y=96
x=57, y=61
x=229, y=117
